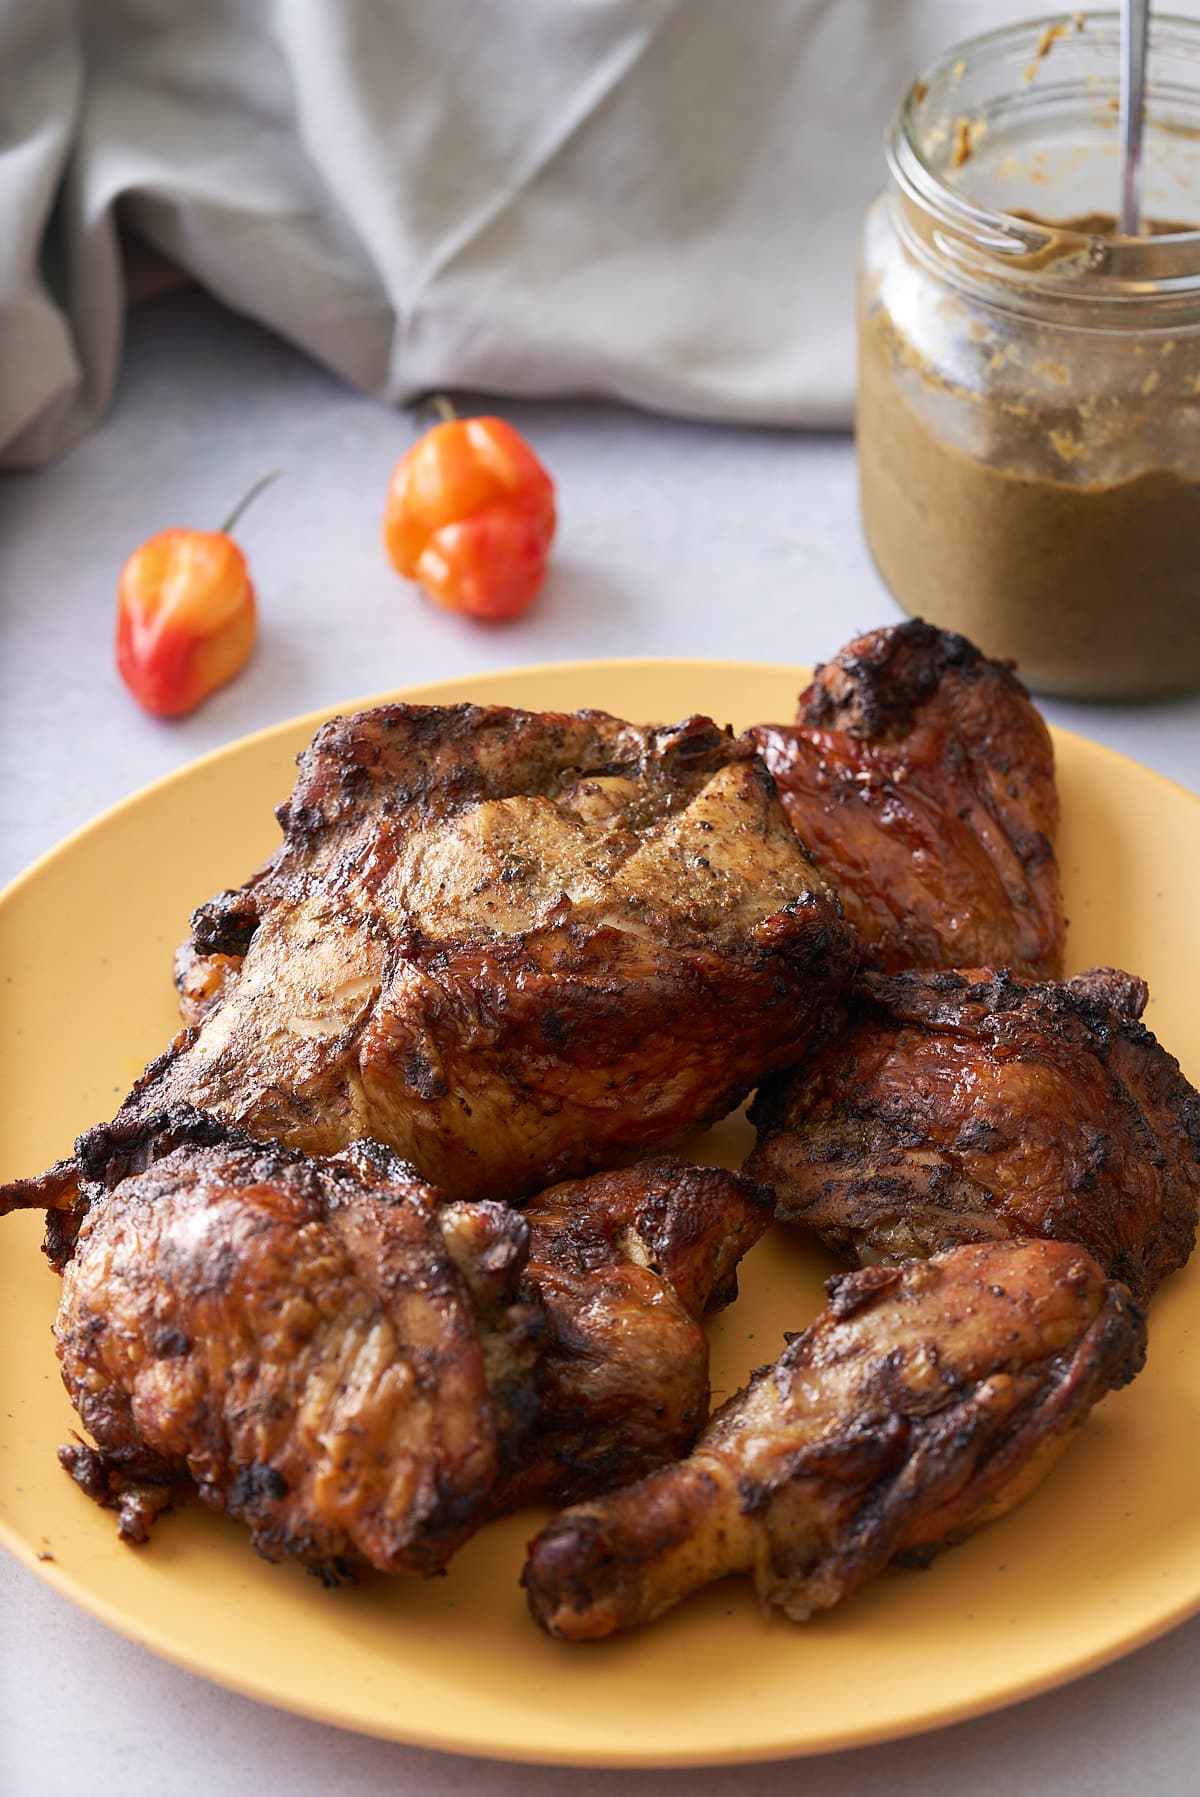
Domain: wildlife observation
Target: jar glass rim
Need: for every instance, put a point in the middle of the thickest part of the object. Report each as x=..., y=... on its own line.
x=1170, y=258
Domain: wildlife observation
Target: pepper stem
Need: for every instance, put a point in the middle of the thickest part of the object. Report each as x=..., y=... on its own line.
x=438, y=403
x=248, y=499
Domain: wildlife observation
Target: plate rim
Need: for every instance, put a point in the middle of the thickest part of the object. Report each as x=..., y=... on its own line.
x=440, y=1741
x=413, y=695
x=411, y=1733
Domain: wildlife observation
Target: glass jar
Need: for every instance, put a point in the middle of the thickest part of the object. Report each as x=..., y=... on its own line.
x=1029, y=381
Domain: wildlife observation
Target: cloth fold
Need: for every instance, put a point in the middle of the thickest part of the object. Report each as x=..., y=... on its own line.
x=651, y=199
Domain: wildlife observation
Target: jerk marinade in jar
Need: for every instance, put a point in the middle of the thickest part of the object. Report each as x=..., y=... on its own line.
x=1029, y=380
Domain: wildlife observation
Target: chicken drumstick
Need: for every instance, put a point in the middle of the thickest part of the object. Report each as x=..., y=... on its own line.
x=923, y=1402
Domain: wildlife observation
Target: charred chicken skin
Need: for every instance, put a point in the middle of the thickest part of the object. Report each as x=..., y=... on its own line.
x=360, y=1371
x=625, y=1265
x=513, y=946
x=316, y=1345
x=924, y=1401
x=959, y=1107
x=922, y=780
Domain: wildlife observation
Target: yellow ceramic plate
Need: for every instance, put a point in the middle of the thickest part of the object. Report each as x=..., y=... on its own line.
x=1104, y=1556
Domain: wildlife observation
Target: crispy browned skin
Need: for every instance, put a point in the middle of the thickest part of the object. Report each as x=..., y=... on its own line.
x=620, y=1269
x=926, y=1400
x=960, y=1106
x=625, y=1265
x=922, y=779
x=316, y=1345
x=514, y=946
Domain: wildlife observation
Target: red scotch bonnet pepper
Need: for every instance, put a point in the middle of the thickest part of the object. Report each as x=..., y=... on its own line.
x=186, y=615
x=470, y=516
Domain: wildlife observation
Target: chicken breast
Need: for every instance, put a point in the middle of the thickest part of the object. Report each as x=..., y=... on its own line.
x=514, y=946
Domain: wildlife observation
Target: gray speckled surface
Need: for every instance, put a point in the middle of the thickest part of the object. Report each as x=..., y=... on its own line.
x=676, y=539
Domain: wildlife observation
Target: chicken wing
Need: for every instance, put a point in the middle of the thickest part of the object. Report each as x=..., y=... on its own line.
x=625, y=1265
x=922, y=780
x=961, y=1106
x=513, y=946
x=320, y=1348
x=924, y=1401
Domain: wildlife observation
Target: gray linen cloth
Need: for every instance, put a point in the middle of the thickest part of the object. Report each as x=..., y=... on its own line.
x=653, y=199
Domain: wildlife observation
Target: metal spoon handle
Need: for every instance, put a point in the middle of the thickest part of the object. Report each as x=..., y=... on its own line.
x=1135, y=22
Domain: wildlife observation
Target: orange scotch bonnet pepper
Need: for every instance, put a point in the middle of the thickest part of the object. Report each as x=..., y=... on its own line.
x=470, y=516
x=186, y=616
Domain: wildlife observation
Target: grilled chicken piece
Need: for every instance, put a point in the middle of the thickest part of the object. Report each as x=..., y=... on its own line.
x=924, y=1401
x=513, y=946
x=922, y=779
x=189, y=1240
x=625, y=1265
x=316, y=1345
x=961, y=1106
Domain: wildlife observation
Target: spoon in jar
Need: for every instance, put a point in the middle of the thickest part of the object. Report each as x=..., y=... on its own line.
x=1135, y=21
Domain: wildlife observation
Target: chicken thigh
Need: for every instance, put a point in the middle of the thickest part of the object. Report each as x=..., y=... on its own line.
x=316, y=1345
x=957, y=1107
